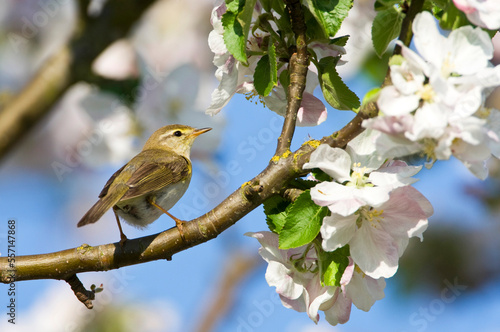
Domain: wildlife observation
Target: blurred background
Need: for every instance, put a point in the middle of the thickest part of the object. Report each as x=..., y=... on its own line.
x=84, y=83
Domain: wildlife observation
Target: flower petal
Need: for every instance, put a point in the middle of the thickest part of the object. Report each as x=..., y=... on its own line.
x=312, y=111
x=337, y=231
x=374, y=251
x=333, y=161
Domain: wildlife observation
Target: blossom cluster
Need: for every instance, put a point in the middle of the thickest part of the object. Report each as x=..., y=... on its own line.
x=295, y=274
x=483, y=13
x=237, y=77
x=435, y=106
x=373, y=211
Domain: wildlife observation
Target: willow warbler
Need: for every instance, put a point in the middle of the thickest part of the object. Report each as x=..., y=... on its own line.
x=151, y=183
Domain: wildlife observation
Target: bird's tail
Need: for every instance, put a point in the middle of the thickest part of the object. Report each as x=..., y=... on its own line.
x=97, y=211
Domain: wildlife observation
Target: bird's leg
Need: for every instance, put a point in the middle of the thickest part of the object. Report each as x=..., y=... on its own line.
x=179, y=223
x=123, y=237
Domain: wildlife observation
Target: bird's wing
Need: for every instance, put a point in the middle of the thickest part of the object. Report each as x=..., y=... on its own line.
x=153, y=176
x=110, y=181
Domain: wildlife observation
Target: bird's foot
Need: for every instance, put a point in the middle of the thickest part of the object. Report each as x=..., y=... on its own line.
x=180, y=226
x=123, y=239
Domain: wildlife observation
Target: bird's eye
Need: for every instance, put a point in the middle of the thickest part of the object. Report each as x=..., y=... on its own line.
x=178, y=133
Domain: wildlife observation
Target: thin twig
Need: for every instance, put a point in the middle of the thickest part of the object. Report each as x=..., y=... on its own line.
x=83, y=295
x=299, y=62
x=406, y=33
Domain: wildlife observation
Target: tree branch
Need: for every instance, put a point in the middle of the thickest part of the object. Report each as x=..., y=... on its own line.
x=299, y=62
x=69, y=65
x=406, y=33
x=64, y=265
x=238, y=267
x=83, y=295
x=37, y=98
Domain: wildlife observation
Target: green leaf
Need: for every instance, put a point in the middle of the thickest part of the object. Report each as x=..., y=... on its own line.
x=285, y=79
x=245, y=15
x=303, y=222
x=441, y=3
x=274, y=208
x=371, y=95
x=386, y=26
x=335, y=91
x=314, y=30
x=452, y=18
x=332, y=265
x=384, y=4
x=236, y=22
x=340, y=41
x=303, y=184
x=320, y=175
x=233, y=36
x=266, y=72
x=330, y=14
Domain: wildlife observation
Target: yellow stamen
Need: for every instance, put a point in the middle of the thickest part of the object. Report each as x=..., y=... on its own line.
x=427, y=93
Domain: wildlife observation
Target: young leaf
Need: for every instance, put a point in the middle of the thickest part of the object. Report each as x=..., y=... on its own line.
x=335, y=91
x=245, y=15
x=333, y=265
x=303, y=221
x=233, y=36
x=285, y=79
x=330, y=14
x=386, y=26
x=266, y=72
x=275, y=208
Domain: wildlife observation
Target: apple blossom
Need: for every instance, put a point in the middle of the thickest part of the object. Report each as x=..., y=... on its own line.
x=483, y=13
x=312, y=111
x=236, y=77
x=296, y=275
x=362, y=289
x=432, y=106
x=358, y=178
x=377, y=237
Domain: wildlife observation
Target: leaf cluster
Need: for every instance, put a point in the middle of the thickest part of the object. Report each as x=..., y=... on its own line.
x=298, y=224
x=272, y=29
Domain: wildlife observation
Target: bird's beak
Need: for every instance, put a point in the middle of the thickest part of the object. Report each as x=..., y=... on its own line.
x=198, y=132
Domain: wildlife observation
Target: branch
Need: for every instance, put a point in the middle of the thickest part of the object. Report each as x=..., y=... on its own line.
x=69, y=65
x=238, y=267
x=83, y=295
x=406, y=33
x=299, y=62
x=37, y=98
x=64, y=265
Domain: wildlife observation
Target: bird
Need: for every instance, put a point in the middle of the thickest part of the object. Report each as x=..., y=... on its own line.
x=151, y=183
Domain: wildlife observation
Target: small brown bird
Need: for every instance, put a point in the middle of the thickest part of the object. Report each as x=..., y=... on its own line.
x=151, y=183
